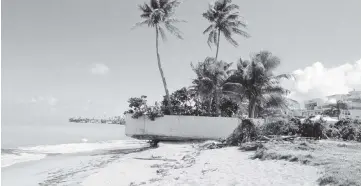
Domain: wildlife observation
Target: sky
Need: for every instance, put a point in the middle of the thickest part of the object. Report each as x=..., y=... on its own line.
x=63, y=58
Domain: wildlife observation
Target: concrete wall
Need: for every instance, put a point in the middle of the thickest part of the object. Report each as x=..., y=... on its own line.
x=175, y=127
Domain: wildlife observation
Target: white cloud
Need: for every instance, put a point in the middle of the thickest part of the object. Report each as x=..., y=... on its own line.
x=99, y=69
x=318, y=81
x=50, y=100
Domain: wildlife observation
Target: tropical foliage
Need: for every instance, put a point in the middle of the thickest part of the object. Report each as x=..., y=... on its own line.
x=224, y=19
x=138, y=108
x=159, y=14
x=217, y=90
x=187, y=102
x=211, y=76
x=255, y=82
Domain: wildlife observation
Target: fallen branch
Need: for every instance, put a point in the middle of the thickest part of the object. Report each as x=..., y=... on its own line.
x=159, y=159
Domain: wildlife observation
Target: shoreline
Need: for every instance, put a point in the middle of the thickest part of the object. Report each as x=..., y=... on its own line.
x=62, y=169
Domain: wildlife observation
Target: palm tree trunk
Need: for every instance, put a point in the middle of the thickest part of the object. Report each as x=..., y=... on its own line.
x=216, y=95
x=216, y=100
x=219, y=38
x=251, y=108
x=162, y=73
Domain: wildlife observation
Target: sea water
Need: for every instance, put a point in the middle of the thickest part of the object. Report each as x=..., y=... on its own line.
x=23, y=143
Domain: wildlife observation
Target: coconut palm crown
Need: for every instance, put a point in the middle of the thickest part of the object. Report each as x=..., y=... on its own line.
x=224, y=19
x=160, y=15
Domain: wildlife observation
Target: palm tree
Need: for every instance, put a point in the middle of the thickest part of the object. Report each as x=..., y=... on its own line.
x=211, y=75
x=254, y=80
x=159, y=14
x=224, y=19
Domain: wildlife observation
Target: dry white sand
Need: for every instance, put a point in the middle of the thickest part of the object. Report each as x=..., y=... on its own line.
x=186, y=164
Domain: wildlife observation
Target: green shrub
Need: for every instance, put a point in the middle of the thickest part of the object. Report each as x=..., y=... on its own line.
x=342, y=123
x=282, y=127
x=348, y=130
x=332, y=132
x=313, y=129
x=245, y=132
x=139, y=108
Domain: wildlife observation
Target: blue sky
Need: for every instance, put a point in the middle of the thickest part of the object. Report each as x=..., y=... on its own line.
x=63, y=58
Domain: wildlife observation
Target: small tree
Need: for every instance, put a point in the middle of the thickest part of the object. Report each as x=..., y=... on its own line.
x=139, y=107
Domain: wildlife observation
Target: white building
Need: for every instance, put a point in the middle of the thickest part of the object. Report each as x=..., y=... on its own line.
x=313, y=107
x=318, y=106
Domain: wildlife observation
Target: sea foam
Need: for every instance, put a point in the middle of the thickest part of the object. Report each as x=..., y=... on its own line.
x=24, y=154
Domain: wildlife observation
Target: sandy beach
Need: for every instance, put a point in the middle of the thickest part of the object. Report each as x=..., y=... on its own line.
x=188, y=164
x=169, y=164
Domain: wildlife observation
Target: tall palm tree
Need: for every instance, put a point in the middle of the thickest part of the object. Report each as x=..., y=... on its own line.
x=224, y=19
x=211, y=75
x=254, y=80
x=159, y=14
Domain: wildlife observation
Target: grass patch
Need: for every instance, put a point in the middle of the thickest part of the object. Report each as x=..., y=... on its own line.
x=341, y=161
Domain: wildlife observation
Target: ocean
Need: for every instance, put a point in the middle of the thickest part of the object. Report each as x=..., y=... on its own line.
x=25, y=143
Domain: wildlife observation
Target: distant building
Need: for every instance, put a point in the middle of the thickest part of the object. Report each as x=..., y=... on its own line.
x=313, y=107
x=318, y=106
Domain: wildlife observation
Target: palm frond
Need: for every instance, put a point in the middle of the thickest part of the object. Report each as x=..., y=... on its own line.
x=274, y=101
x=162, y=33
x=232, y=41
x=210, y=40
x=231, y=7
x=234, y=87
x=208, y=29
x=173, y=30
x=284, y=76
x=175, y=20
x=154, y=4
x=145, y=8
x=240, y=32
x=232, y=17
x=275, y=90
x=170, y=6
x=227, y=33
x=269, y=61
x=162, y=3
x=142, y=23
x=215, y=37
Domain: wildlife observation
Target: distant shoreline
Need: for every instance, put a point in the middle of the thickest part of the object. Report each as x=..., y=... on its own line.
x=100, y=123
x=117, y=120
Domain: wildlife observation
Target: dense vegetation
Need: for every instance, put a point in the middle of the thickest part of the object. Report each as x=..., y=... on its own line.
x=344, y=129
x=218, y=90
